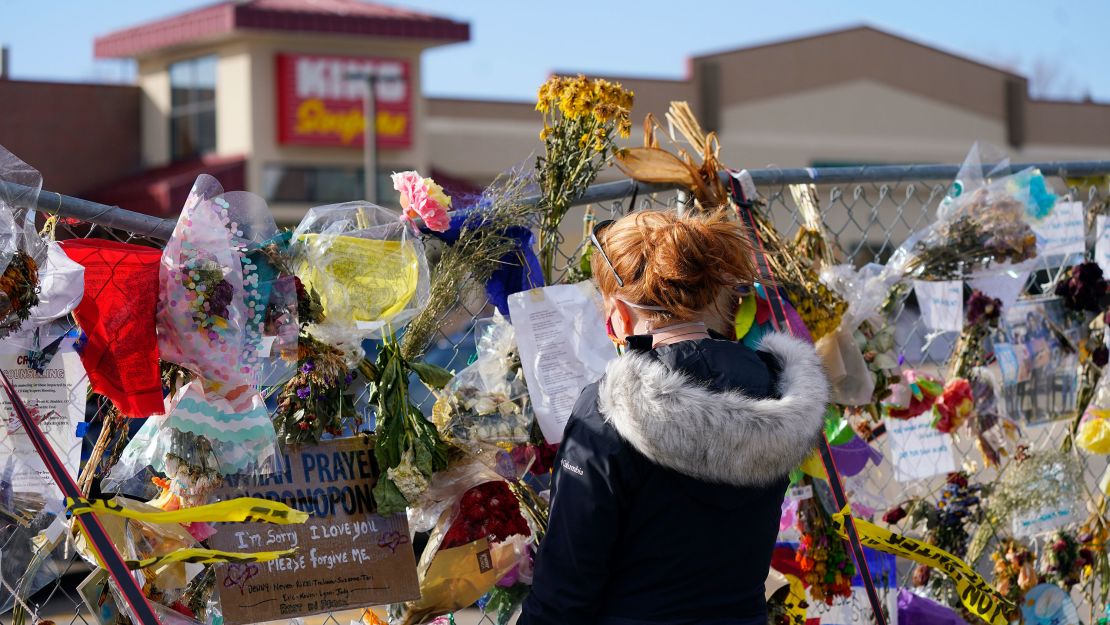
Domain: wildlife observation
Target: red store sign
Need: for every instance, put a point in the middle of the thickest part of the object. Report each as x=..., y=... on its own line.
x=319, y=105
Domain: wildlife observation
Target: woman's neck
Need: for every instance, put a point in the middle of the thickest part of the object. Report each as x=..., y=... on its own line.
x=676, y=332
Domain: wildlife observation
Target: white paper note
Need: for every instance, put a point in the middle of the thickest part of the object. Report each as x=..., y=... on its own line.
x=1102, y=244
x=57, y=400
x=1044, y=521
x=942, y=304
x=918, y=449
x=1062, y=233
x=560, y=332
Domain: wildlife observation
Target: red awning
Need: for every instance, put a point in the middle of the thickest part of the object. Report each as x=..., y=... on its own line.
x=162, y=192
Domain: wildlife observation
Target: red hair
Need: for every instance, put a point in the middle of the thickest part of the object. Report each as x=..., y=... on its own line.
x=684, y=264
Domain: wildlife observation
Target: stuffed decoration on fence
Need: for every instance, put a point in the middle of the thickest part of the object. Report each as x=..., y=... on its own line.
x=224, y=312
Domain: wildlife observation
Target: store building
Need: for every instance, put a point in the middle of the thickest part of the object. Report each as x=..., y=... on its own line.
x=260, y=93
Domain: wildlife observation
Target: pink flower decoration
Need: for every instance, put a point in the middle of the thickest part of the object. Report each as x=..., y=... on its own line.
x=422, y=198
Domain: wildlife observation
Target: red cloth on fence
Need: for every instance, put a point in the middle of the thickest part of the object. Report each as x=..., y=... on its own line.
x=117, y=316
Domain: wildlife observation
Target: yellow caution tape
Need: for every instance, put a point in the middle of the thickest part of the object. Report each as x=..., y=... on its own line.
x=795, y=603
x=208, y=556
x=240, y=510
x=975, y=593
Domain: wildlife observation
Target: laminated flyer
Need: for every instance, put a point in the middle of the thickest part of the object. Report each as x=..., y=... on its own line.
x=560, y=332
x=56, y=399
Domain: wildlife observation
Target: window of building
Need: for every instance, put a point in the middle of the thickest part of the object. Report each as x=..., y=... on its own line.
x=323, y=184
x=192, y=108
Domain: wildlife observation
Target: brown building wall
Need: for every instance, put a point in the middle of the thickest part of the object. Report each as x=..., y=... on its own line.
x=78, y=136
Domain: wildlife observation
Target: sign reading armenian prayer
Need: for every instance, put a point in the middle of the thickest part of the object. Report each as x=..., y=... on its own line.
x=319, y=103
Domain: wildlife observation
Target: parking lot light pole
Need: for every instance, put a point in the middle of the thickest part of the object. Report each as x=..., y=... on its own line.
x=370, y=137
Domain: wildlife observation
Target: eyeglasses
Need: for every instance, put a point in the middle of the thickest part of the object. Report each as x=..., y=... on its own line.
x=601, y=225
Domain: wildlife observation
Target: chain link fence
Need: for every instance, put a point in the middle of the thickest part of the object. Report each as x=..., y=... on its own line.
x=867, y=212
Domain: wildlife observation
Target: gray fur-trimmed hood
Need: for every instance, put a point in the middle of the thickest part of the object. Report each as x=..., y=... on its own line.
x=724, y=437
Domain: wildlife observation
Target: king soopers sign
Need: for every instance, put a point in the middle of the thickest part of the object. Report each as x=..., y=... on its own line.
x=319, y=104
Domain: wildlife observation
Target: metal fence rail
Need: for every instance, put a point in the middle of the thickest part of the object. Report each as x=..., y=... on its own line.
x=868, y=212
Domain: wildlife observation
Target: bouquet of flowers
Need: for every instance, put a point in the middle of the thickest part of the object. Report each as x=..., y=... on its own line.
x=368, y=268
x=315, y=401
x=823, y=557
x=479, y=537
x=487, y=402
x=1064, y=560
x=946, y=525
x=581, y=119
x=21, y=248
x=982, y=222
x=219, y=298
x=1014, y=572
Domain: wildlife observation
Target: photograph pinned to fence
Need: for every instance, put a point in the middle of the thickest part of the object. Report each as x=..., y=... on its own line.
x=1037, y=366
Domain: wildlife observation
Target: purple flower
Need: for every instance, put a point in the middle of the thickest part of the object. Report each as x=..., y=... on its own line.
x=220, y=298
x=308, y=367
x=303, y=392
x=1084, y=288
x=983, y=308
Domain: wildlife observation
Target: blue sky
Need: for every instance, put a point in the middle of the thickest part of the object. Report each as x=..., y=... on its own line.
x=1062, y=46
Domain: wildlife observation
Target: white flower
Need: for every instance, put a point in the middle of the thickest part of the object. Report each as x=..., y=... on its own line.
x=408, y=479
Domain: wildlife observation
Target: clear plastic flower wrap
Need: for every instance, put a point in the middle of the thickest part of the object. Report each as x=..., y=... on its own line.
x=859, y=355
x=479, y=535
x=227, y=313
x=984, y=222
x=368, y=267
x=22, y=250
x=487, y=402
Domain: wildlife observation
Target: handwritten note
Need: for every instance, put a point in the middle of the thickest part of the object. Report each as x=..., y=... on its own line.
x=1062, y=233
x=1039, y=522
x=918, y=449
x=942, y=304
x=560, y=332
x=347, y=555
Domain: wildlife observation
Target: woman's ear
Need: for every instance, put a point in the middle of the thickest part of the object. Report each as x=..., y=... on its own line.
x=624, y=323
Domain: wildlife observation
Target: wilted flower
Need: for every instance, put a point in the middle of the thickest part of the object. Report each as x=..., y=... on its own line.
x=982, y=308
x=1084, y=288
x=1100, y=356
x=894, y=515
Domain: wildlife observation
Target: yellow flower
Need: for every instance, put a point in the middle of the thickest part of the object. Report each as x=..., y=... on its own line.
x=543, y=133
x=584, y=140
x=436, y=193
x=624, y=127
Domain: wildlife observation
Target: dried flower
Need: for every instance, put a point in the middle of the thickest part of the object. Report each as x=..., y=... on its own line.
x=894, y=515
x=1100, y=356
x=1083, y=288
x=982, y=308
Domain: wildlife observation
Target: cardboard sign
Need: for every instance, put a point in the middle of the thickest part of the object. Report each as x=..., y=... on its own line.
x=319, y=103
x=347, y=556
